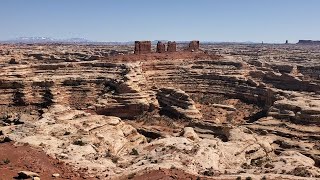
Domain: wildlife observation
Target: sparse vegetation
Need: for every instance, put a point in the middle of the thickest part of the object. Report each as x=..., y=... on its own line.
x=131, y=176
x=6, y=161
x=301, y=171
x=257, y=162
x=154, y=161
x=208, y=172
x=79, y=143
x=245, y=166
x=134, y=152
x=108, y=153
x=115, y=159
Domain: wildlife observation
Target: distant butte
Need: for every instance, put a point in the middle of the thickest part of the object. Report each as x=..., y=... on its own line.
x=308, y=42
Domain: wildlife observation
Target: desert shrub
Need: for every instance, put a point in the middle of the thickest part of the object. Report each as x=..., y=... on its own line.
x=301, y=171
x=131, y=176
x=108, y=153
x=115, y=159
x=79, y=143
x=208, y=172
x=134, y=152
x=67, y=133
x=6, y=161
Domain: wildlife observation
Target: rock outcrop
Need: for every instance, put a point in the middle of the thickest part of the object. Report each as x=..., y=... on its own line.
x=300, y=109
x=107, y=88
x=177, y=103
x=142, y=47
x=172, y=46
x=161, y=47
x=129, y=98
x=194, y=46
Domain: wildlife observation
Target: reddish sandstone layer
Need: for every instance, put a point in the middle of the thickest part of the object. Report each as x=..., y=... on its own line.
x=172, y=46
x=163, y=56
x=161, y=47
x=142, y=47
x=194, y=46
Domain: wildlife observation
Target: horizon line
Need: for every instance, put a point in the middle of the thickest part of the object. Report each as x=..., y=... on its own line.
x=127, y=41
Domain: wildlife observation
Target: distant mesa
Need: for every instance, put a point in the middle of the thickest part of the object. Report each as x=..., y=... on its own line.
x=308, y=42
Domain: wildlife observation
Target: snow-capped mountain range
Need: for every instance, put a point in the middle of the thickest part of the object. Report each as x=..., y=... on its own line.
x=46, y=40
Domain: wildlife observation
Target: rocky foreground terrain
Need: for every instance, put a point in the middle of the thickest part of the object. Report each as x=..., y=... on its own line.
x=224, y=112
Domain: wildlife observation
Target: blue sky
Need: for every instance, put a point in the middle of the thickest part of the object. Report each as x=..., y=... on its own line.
x=126, y=20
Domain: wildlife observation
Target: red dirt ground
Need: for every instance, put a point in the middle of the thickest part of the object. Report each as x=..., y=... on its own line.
x=17, y=158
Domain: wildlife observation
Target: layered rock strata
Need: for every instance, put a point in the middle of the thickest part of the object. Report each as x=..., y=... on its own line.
x=161, y=47
x=194, y=46
x=142, y=47
x=177, y=103
x=172, y=46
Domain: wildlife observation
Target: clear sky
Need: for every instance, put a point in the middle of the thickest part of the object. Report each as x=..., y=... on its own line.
x=126, y=20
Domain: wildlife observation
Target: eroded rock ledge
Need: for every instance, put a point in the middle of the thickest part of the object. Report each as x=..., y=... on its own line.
x=177, y=103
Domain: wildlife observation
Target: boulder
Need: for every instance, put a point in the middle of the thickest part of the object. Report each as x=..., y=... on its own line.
x=177, y=103
x=56, y=175
x=189, y=133
x=27, y=174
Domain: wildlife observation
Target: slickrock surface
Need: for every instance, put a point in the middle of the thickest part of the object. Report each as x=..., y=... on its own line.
x=220, y=112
